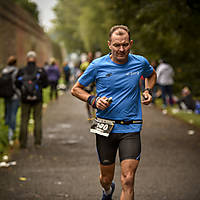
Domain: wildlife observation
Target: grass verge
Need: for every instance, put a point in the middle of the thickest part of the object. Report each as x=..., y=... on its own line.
x=186, y=116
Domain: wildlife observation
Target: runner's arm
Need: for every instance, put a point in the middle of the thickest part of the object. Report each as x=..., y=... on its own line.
x=79, y=92
x=149, y=83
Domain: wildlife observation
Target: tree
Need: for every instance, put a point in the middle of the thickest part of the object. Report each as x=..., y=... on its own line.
x=167, y=29
x=30, y=7
x=67, y=24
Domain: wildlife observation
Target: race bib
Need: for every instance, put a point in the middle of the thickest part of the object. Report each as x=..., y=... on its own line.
x=102, y=127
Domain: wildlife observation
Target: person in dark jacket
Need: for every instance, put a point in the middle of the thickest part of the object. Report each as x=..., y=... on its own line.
x=28, y=104
x=11, y=103
x=186, y=102
x=53, y=74
x=67, y=73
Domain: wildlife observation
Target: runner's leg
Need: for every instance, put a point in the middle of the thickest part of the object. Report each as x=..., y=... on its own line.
x=106, y=149
x=128, y=170
x=106, y=175
x=129, y=153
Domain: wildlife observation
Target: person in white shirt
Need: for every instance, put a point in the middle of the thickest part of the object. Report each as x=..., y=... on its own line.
x=165, y=74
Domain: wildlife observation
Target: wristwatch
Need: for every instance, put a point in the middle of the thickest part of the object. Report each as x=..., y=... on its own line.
x=149, y=90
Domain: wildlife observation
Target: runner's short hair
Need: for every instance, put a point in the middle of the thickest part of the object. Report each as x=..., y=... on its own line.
x=116, y=27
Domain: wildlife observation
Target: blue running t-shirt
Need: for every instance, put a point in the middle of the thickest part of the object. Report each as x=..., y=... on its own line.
x=121, y=82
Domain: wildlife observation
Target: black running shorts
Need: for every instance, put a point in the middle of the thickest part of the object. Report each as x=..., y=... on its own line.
x=129, y=145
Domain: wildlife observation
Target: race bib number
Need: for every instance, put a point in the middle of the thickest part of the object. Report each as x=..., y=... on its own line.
x=102, y=127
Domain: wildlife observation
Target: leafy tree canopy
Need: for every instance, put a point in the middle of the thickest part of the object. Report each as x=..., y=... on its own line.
x=167, y=29
x=30, y=7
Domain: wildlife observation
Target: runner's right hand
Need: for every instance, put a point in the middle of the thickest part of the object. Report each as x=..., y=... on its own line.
x=102, y=103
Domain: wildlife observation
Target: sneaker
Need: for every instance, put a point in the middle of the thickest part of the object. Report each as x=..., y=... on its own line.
x=109, y=197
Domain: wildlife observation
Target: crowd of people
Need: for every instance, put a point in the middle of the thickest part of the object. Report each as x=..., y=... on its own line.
x=16, y=82
x=164, y=89
x=23, y=87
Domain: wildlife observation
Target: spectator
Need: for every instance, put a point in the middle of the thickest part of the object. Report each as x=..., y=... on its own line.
x=84, y=65
x=186, y=102
x=46, y=65
x=11, y=103
x=154, y=90
x=165, y=80
x=67, y=73
x=31, y=80
x=53, y=74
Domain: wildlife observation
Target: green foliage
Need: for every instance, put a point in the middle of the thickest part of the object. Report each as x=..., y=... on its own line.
x=167, y=29
x=30, y=7
x=3, y=129
x=67, y=24
x=56, y=51
x=3, y=138
x=46, y=98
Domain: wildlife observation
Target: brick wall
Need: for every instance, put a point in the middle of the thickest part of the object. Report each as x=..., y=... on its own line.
x=19, y=33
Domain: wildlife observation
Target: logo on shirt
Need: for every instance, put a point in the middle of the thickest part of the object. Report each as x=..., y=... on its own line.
x=108, y=75
x=132, y=73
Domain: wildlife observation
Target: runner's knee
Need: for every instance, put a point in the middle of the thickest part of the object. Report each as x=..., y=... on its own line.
x=105, y=180
x=127, y=180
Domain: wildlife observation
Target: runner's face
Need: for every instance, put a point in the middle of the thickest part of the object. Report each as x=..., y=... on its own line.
x=120, y=47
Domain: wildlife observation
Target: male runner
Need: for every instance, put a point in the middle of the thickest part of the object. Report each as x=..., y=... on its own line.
x=117, y=75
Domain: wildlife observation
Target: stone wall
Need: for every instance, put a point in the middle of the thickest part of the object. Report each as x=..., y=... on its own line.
x=19, y=33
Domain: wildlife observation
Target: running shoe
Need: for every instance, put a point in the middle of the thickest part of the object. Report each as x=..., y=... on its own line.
x=109, y=197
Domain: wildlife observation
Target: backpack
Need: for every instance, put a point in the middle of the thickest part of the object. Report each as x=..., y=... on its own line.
x=6, y=85
x=30, y=89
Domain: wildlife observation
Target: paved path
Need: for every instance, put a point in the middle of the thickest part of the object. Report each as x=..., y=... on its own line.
x=66, y=167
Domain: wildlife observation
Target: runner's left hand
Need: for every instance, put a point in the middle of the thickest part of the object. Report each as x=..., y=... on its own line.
x=147, y=98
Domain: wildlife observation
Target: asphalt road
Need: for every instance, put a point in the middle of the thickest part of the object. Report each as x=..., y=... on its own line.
x=66, y=166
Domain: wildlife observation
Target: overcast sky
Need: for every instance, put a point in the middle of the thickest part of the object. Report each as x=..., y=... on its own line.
x=46, y=13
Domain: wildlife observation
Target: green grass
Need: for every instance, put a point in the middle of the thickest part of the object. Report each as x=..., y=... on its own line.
x=189, y=117
x=3, y=129
x=46, y=98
